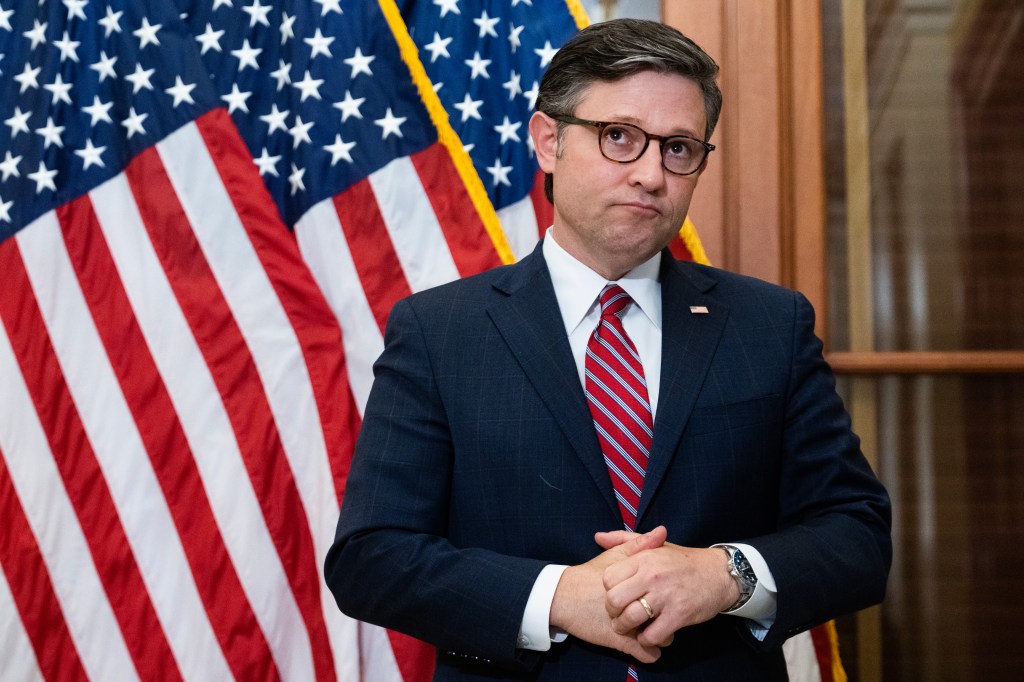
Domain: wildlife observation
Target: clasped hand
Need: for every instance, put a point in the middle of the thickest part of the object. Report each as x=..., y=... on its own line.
x=599, y=601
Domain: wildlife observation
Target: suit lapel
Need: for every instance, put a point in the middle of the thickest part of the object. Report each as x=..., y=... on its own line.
x=530, y=323
x=689, y=340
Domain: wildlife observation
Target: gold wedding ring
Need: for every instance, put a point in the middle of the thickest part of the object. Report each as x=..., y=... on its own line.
x=647, y=607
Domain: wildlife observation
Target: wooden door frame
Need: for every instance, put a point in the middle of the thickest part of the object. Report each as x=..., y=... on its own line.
x=760, y=207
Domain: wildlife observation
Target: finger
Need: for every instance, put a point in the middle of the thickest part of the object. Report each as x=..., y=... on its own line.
x=633, y=616
x=663, y=643
x=613, y=538
x=658, y=633
x=649, y=540
x=617, y=573
x=641, y=652
x=623, y=585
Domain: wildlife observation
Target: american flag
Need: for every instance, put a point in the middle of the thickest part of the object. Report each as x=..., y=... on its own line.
x=486, y=60
x=207, y=209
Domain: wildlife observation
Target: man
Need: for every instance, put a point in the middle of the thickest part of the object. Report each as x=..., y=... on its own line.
x=524, y=421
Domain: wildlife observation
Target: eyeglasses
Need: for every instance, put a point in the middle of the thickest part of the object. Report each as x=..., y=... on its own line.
x=625, y=143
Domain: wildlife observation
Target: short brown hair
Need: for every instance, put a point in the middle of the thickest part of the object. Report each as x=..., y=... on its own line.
x=611, y=50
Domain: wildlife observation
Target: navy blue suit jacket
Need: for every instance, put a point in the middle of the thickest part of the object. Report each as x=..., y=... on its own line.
x=478, y=464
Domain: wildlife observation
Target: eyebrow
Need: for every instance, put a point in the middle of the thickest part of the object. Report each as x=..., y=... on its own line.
x=683, y=131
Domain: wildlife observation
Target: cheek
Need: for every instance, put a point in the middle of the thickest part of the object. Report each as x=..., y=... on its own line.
x=574, y=201
x=580, y=187
x=681, y=198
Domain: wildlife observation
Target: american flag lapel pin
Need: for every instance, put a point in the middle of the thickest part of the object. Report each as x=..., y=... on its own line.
x=699, y=309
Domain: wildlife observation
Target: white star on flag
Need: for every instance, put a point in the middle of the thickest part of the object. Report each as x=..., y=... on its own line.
x=91, y=155
x=181, y=91
x=360, y=63
x=207, y=210
x=390, y=124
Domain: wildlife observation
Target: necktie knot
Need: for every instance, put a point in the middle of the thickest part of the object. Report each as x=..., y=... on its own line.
x=614, y=300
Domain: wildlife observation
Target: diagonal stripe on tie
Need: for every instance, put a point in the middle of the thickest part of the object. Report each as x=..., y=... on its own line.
x=617, y=395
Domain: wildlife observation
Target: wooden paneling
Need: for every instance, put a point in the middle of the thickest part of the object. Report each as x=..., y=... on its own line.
x=704, y=22
x=928, y=362
x=924, y=212
x=760, y=207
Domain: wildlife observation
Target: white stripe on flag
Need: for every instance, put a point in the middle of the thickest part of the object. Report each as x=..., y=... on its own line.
x=90, y=620
x=801, y=658
x=271, y=340
x=377, y=656
x=203, y=418
x=519, y=221
x=410, y=220
x=325, y=251
x=119, y=451
x=261, y=319
x=19, y=657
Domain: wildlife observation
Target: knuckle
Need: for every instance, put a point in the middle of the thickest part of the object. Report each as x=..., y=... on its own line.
x=617, y=602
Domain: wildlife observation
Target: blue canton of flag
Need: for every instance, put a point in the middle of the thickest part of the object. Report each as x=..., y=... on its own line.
x=486, y=59
x=182, y=376
x=82, y=93
x=318, y=90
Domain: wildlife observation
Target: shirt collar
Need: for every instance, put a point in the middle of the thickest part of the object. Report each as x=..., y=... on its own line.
x=577, y=287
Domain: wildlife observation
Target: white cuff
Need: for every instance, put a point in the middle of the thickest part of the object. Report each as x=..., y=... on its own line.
x=760, y=608
x=535, y=633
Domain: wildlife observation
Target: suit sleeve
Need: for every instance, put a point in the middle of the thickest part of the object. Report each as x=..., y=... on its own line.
x=391, y=563
x=832, y=552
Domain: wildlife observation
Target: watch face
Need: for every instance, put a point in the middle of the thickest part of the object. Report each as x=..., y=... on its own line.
x=742, y=573
x=743, y=570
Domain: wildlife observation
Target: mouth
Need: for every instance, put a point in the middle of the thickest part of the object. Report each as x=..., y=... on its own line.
x=641, y=207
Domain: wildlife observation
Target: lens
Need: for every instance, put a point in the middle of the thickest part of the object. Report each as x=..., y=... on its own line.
x=622, y=142
x=682, y=154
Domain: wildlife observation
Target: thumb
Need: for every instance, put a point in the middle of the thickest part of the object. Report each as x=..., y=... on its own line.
x=638, y=543
x=614, y=538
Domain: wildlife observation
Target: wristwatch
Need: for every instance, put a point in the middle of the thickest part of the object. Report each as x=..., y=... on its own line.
x=742, y=573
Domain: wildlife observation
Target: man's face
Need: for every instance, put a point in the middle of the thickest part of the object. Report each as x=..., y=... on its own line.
x=614, y=216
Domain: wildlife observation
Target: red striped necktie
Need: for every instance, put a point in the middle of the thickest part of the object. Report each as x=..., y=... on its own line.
x=617, y=394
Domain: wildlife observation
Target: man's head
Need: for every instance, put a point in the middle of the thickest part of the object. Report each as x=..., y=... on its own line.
x=623, y=116
x=611, y=50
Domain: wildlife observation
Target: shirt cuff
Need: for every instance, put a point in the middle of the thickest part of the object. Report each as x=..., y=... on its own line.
x=761, y=607
x=535, y=633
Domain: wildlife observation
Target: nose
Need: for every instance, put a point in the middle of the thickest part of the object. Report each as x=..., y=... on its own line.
x=648, y=171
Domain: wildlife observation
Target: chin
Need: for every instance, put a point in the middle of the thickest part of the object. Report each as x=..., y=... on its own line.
x=630, y=255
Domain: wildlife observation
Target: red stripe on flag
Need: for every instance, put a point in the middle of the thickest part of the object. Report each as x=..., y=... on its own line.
x=233, y=370
x=373, y=254
x=543, y=208
x=414, y=657
x=231, y=617
x=83, y=479
x=823, y=651
x=312, y=319
x=678, y=249
x=32, y=588
x=470, y=245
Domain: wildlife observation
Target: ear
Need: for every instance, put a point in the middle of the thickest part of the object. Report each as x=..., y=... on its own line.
x=544, y=131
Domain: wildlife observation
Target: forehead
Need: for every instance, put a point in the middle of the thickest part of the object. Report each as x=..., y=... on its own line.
x=659, y=102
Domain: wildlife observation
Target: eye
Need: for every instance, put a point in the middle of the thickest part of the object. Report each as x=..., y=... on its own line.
x=618, y=135
x=680, y=147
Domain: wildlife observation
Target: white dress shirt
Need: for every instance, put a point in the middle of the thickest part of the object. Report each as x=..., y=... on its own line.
x=577, y=289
